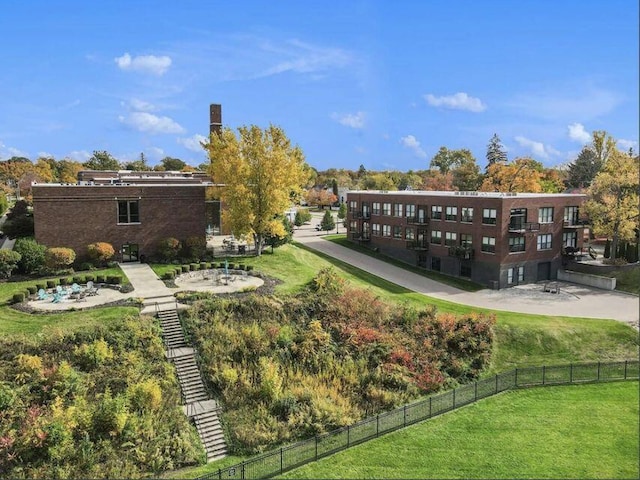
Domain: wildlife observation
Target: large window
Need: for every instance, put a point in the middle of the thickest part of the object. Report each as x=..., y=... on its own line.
x=451, y=214
x=545, y=215
x=397, y=231
x=375, y=207
x=518, y=217
x=570, y=239
x=436, y=236
x=516, y=244
x=409, y=234
x=544, y=241
x=466, y=240
x=512, y=272
x=353, y=205
x=489, y=216
x=375, y=229
x=450, y=239
x=466, y=215
x=353, y=226
x=489, y=244
x=386, y=209
x=410, y=210
x=571, y=215
x=436, y=212
x=128, y=211
x=386, y=230
x=397, y=209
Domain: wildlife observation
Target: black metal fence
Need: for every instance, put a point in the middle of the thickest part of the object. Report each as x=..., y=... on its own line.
x=286, y=458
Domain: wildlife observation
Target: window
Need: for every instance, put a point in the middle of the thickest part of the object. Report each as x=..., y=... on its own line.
x=386, y=230
x=518, y=217
x=450, y=239
x=544, y=241
x=510, y=276
x=520, y=274
x=353, y=226
x=397, y=231
x=436, y=236
x=436, y=212
x=451, y=214
x=375, y=207
x=512, y=272
x=353, y=205
x=408, y=233
x=489, y=216
x=545, y=215
x=375, y=229
x=465, y=239
x=571, y=215
x=410, y=210
x=128, y=211
x=570, y=239
x=397, y=209
x=516, y=244
x=467, y=215
x=386, y=209
x=488, y=244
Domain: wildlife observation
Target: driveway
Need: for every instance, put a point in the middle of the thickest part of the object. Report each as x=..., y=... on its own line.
x=572, y=301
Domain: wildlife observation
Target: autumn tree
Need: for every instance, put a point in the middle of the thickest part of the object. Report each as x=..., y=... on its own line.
x=438, y=181
x=12, y=170
x=613, y=199
x=68, y=171
x=495, y=151
x=377, y=181
x=521, y=175
x=102, y=160
x=262, y=174
x=320, y=197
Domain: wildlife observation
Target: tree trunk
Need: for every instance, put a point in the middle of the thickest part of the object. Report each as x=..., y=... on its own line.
x=257, y=241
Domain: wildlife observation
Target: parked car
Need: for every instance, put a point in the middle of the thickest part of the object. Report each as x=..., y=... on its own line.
x=318, y=227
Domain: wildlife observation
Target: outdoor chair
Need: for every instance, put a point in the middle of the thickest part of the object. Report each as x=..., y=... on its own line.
x=244, y=276
x=43, y=295
x=91, y=290
x=75, y=288
x=57, y=297
x=81, y=297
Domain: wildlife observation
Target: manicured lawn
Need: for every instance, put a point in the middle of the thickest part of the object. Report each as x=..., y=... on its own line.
x=627, y=280
x=575, y=431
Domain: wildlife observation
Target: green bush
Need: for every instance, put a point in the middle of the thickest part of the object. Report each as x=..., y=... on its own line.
x=169, y=275
x=32, y=290
x=114, y=279
x=193, y=267
x=32, y=255
x=249, y=268
x=185, y=268
x=57, y=258
x=100, y=279
x=168, y=249
x=41, y=286
x=63, y=281
x=51, y=283
x=77, y=279
x=195, y=248
x=8, y=262
x=89, y=278
x=221, y=265
x=203, y=265
x=86, y=266
x=18, y=297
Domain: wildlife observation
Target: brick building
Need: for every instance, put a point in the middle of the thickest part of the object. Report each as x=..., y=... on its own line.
x=495, y=239
x=130, y=210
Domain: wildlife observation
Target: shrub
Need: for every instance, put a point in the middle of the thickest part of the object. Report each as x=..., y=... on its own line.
x=169, y=275
x=32, y=255
x=221, y=265
x=8, y=262
x=89, y=278
x=85, y=266
x=203, y=265
x=168, y=249
x=193, y=267
x=249, y=268
x=195, y=248
x=100, y=279
x=185, y=268
x=57, y=258
x=32, y=290
x=18, y=297
x=63, y=281
x=114, y=279
x=51, y=283
x=77, y=279
x=41, y=286
x=100, y=252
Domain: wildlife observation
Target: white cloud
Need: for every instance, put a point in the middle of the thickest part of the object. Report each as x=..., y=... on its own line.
x=45, y=155
x=301, y=57
x=627, y=144
x=578, y=133
x=144, y=63
x=155, y=153
x=140, y=105
x=538, y=149
x=353, y=120
x=412, y=143
x=79, y=155
x=149, y=123
x=193, y=143
x=8, y=152
x=457, y=101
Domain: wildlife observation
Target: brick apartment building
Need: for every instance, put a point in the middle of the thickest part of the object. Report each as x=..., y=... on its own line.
x=130, y=210
x=495, y=239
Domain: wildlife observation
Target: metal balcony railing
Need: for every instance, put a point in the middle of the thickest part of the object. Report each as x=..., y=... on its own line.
x=521, y=227
x=461, y=252
x=417, y=245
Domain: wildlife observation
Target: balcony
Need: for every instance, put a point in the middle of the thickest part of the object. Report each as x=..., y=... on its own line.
x=360, y=237
x=522, y=227
x=575, y=223
x=461, y=252
x=362, y=215
x=417, y=220
x=422, y=245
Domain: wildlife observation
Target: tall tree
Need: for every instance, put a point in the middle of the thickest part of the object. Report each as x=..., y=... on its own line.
x=603, y=145
x=448, y=160
x=583, y=169
x=613, y=199
x=139, y=165
x=495, y=151
x=102, y=160
x=262, y=174
x=68, y=171
x=521, y=175
x=172, y=164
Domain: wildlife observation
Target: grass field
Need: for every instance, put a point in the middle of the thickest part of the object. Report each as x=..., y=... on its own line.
x=576, y=431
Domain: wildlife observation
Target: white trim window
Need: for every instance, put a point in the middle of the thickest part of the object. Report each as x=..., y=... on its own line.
x=451, y=214
x=375, y=207
x=375, y=229
x=397, y=209
x=450, y=239
x=489, y=216
x=386, y=230
x=570, y=239
x=545, y=241
x=466, y=215
x=488, y=244
x=436, y=237
x=436, y=212
x=545, y=215
x=386, y=208
x=409, y=210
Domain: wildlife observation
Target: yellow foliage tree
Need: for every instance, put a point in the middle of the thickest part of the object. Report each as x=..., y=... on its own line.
x=613, y=198
x=521, y=175
x=262, y=174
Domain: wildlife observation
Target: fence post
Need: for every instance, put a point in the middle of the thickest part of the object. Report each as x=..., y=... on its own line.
x=571, y=373
x=348, y=436
x=625, y=369
x=543, y=371
x=220, y=473
x=281, y=460
x=454, y=398
x=242, y=470
x=496, y=383
x=598, y=371
x=404, y=413
x=476, y=392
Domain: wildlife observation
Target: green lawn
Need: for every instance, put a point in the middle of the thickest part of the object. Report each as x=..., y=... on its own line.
x=627, y=280
x=574, y=431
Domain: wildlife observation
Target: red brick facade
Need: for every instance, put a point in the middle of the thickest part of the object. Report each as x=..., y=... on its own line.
x=522, y=244
x=75, y=216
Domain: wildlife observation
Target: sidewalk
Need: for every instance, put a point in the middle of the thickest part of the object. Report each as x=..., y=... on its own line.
x=577, y=300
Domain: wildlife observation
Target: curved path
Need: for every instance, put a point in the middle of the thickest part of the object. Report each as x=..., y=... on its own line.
x=573, y=301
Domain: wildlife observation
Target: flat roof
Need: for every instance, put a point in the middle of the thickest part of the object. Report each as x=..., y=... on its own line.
x=438, y=193
x=128, y=184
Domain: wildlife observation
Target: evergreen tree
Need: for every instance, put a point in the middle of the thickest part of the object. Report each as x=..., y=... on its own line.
x=327, y=222
x=495, y=151
x=583, y=169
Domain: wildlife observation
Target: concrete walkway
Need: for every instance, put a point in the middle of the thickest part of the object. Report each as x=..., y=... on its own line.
x=145, y=281
x=575, y=300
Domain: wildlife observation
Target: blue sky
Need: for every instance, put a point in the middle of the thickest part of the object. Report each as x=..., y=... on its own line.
x=378, y=83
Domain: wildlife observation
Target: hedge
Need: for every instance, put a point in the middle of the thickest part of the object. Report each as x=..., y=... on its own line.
x=18, y=297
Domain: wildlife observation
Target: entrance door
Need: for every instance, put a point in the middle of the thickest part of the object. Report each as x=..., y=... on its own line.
x=130, y=252
x=544, y=271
